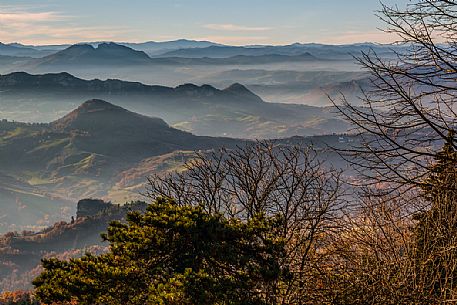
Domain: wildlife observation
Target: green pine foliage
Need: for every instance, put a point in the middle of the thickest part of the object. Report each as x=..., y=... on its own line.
x=173, y=255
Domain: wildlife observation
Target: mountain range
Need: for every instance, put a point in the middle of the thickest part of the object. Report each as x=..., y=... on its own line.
x=120, y=55
x=149, y=47
x=154, y=47
x=286, y=74
x=193, y=48
x=204, y=110
x=317, y=50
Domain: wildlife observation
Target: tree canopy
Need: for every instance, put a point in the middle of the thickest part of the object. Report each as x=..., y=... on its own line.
x=173, y=255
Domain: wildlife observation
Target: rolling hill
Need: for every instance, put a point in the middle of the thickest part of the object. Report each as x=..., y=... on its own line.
x=79, y=155
x=96, y=130
x=20, y=253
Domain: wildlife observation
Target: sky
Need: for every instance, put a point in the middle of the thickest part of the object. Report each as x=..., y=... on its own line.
x=234, y=22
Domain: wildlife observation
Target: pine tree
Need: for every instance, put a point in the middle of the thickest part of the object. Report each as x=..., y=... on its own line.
x=172, y=255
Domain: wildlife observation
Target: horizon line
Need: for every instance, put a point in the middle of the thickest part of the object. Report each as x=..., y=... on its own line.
x=192, y=40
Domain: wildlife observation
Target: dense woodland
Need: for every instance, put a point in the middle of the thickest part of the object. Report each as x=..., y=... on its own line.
x=272, y=224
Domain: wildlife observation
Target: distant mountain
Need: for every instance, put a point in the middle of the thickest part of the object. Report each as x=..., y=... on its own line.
x=351, y=90
x=217, y=52
x=300, y=87
x=237, y=60
x=200, y=49
x=110, y=56
x=149, y=47
x=13, y=61
x=317, y=50
x=19, y=50
x=45, y=48
x=69, y=84
x=154, y=47
x=85, y=54
x=233, y=112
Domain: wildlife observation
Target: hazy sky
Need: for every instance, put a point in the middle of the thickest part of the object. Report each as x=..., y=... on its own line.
x=236, y=22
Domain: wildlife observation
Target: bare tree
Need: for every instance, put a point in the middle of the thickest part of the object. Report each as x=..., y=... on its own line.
x=436, y=232
x=401, y=249
x=382, y=255
x=371, y=259
x=409, y=111
x=262, y=178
